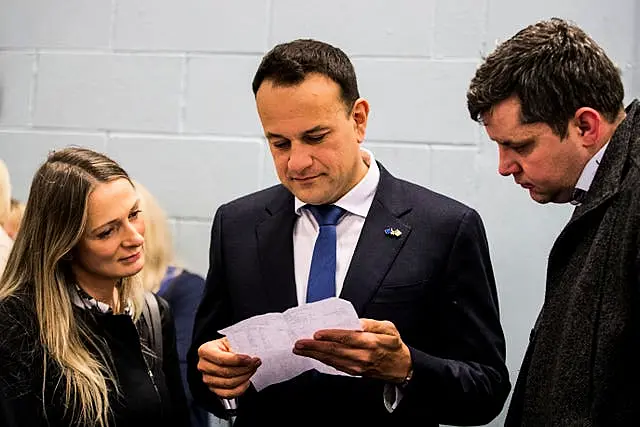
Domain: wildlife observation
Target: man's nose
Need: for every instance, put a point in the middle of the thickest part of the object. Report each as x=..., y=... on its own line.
x=506, y=164
x=299, y=157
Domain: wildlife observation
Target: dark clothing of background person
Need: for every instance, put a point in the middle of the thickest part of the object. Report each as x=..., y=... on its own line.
x=183, y=291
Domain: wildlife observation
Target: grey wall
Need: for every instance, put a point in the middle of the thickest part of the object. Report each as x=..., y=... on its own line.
x=635, y=67
x=164, y=87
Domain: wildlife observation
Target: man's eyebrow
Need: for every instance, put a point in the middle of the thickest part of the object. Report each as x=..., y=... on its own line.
x=314, y=129
x=270, y=135
x=511, y=143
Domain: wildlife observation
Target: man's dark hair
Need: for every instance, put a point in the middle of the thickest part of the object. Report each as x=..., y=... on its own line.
x=288, y=64
x=553, y=68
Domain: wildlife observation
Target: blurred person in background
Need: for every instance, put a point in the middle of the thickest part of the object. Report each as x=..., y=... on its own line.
x=6, y=241
x=182, y=289
x=12, y=224
x=79, y=347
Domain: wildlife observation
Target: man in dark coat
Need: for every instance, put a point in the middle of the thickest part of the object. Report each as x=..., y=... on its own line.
x=552, y=101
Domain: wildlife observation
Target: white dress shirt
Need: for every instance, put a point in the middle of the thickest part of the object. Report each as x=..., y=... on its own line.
x=587, y=175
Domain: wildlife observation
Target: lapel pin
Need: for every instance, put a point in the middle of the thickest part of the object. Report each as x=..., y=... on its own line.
x=393, y=232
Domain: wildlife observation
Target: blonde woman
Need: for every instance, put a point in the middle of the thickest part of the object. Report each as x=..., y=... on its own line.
x=75, y=350
x=6, y=242
x=179, y=287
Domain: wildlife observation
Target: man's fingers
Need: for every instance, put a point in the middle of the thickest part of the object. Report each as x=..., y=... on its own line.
x=350, y=360
x=379, y=326
x=218, y=353
x=348, y=338
x=227, y=371
x=357, y=339
x=227, y=383
x=332, y=348
x=331, y=360
x=336, y=355
x=226, y=391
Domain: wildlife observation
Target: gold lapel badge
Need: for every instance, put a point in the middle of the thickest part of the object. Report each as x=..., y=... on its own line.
x=392, y=232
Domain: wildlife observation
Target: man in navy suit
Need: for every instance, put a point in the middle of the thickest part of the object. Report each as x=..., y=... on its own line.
x=414, y=264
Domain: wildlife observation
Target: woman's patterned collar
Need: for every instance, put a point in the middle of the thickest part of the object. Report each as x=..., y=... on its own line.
x=83, y=300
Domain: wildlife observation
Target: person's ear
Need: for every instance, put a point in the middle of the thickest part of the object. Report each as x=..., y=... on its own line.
x=360, y=114
x=588, y=125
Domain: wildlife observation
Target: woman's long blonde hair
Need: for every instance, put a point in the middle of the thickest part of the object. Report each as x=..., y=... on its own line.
x=54, y=220
x=158, y=245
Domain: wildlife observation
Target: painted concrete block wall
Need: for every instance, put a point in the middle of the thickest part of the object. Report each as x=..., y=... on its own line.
x=636, y=61
x=164, y=88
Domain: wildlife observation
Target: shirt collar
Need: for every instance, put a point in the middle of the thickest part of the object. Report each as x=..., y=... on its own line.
x=587, y=175
x=358, y=200
x=85, y=301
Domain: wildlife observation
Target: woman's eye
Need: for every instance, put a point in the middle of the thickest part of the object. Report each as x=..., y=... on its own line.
x=105, y=233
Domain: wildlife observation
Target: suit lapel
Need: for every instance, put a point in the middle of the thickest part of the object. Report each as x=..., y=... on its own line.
x=275, y=245
x=376, y=250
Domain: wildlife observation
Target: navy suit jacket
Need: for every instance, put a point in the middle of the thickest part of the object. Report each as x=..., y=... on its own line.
x=434, y=282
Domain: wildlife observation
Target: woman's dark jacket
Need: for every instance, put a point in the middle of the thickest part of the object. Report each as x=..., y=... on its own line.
x=143, y=399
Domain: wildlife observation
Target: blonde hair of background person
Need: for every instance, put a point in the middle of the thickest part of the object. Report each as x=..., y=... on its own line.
x=6, y=242
x=12, y=224
x=158, y=246
x=54, y=221
x=5, y=193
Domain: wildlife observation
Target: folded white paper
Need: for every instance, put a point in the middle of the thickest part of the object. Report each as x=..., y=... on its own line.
x=271, y=337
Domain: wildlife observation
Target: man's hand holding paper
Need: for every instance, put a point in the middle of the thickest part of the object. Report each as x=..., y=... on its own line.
x=376, y=351
x=227, y=374
x=271, y=337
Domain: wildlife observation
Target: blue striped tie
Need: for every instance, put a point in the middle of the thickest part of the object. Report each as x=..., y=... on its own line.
x=322, y=275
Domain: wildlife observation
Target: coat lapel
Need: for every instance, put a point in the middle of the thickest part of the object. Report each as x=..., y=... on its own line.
x=376, y=250
x=275, y=245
